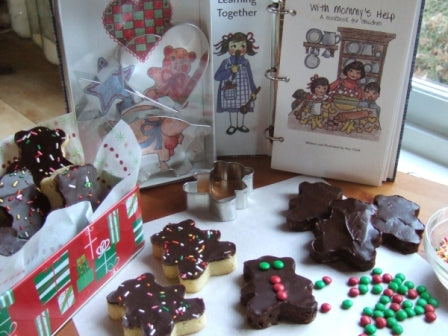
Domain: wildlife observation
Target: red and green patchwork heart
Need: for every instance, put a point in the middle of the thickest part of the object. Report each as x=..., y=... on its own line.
x=137, y=25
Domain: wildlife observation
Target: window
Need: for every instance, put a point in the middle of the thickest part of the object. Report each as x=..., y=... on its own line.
x=426, y=128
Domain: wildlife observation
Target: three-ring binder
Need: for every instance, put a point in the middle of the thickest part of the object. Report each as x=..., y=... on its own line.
x=277, y=7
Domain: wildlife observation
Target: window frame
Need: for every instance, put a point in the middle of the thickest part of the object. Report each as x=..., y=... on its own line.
x=426, y=124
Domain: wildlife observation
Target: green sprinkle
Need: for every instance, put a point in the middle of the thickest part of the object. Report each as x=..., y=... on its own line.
x=347, y=304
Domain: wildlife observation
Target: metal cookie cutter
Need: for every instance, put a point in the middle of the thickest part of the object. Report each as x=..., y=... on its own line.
x=222, y=191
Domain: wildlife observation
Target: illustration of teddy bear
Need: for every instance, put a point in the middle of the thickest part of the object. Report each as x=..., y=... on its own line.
x=172, y=79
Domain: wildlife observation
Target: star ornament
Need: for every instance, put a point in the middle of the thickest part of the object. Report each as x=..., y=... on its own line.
x=112, y=89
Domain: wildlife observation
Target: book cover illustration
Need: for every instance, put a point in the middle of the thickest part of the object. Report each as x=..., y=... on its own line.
x=347, y=103
x=237, y=90
x=240, y=43
x=349, y=64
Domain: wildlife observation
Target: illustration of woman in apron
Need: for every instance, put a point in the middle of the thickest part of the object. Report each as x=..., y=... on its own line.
x=237, y=90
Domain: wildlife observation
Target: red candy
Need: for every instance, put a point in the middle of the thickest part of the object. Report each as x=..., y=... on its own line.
x=377, y=279
x=365, y=320
x=412, y=293
x=389, y=292
x=397, y=298
x=380, y=322
x=430, y=317
x=325, y=307
x=395, y=306
x=353, y=281
x=279, y=287
x=275, y=279
x=353, y=292
x=387, y=277
x=282, y=295
x=429, y=308
x=327, y=279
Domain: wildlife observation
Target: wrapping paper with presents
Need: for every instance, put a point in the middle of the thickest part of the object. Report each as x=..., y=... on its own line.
x=46, y=298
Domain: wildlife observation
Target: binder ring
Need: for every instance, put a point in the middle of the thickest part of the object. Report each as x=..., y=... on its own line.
x=268, y=134
x=273, y=8
x=270, y=74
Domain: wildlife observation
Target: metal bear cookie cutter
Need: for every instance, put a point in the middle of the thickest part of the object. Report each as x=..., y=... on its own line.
x=222, y=191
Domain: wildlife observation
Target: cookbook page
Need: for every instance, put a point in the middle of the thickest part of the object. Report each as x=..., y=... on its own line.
x=349, y=65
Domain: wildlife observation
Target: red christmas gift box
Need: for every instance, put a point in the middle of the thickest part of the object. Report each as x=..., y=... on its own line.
x=44, y=300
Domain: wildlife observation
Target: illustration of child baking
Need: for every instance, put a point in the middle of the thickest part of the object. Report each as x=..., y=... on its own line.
x=349, y=85
x=371, y=93
x=312, y=103
x=237, y=90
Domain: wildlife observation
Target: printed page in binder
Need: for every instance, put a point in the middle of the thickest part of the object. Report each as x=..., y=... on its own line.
x=349, y=64
x=240, y=38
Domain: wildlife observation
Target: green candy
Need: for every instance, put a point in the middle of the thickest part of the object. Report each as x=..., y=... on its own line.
x=370, y=329
x=347, y=304
x=319, y=284
x=278, y=264
x=397, y=329
x=264, y=266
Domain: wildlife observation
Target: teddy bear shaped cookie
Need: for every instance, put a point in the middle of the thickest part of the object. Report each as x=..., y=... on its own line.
x=41, y=150
x=273, y=292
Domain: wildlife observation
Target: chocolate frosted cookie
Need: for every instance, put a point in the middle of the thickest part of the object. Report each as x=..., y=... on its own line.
x=347, y=235
x=24, y=207
x=41, y=150
x=10, y=243
x=73, y=184
x=192, y=255
x=273, y=292
x=397, y=220
x=312, y=204
x=147, y=308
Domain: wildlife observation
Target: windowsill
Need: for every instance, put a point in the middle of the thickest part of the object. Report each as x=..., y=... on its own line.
x=413, y=164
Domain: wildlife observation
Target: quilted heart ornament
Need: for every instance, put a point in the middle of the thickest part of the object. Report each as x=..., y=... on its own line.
x=170, y=74
x=137, y=25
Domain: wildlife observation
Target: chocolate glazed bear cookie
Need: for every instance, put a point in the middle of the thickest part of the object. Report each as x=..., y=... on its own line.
x=41, y=150
x=398, y=222
x=311, y=204
x=348, y=235
x=273, y=292
x=149, y=309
